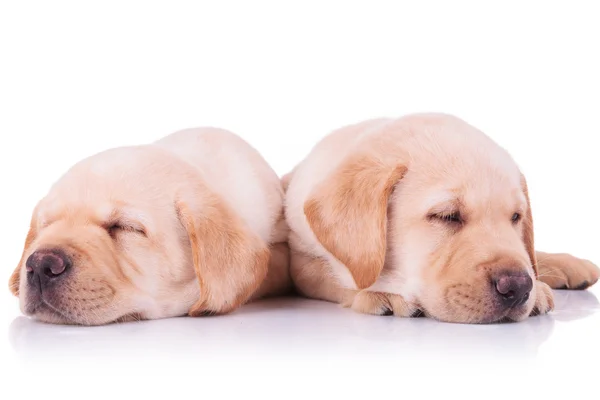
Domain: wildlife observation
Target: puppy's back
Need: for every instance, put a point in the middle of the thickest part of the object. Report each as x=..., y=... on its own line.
x=235, y=170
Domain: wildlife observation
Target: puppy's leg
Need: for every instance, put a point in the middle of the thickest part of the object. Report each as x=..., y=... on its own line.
x=564, y=271
x=312, y=278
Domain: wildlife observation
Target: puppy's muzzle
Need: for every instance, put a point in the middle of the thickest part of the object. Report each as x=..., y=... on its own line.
x=46, y=267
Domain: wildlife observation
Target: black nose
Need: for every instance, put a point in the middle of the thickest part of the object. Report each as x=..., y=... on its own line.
x=513, y=288
x=45, y=266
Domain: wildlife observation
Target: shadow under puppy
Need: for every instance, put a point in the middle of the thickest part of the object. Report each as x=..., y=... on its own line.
x=420, y=214
x=191, y=224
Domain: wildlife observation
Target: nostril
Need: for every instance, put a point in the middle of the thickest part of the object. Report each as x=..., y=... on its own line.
x=506, y=285
x=49, y=273
x=52, y=265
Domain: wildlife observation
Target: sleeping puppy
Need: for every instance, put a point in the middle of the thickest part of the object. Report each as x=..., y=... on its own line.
x=191, y=224
x=420, y=215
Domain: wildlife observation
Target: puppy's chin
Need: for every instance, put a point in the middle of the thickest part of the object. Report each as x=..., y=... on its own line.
x=513, y=315
x=47, y=314
x=44, y=310
x=488, y=318
x=480, y=313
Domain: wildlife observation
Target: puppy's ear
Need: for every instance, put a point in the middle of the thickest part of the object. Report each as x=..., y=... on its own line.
x=230, y=261
x=15, y=279
x=348, y=213
x=528, y=229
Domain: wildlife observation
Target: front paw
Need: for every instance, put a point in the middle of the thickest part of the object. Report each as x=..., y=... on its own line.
x=544, y=300
x=378, y=303
x=564, y=271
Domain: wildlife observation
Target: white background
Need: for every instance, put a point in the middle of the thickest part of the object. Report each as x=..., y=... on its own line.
x=79, y=77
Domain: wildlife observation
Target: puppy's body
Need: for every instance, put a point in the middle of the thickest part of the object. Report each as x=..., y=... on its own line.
x=233, y=170
x=409, y=214
x=189, y=224
x=248, y=184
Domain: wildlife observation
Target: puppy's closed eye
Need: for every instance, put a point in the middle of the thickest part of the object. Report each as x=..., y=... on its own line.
x=516, y=217
x=453, y=219
x=118, y=227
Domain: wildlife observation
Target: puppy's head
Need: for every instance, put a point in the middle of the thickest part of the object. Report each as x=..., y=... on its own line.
x=109, y=242
x=431, y=209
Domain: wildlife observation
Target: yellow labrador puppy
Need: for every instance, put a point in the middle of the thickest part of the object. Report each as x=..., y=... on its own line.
x=421, y=214
x=191, y=224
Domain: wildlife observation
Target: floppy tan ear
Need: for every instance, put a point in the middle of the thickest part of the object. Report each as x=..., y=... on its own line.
x=528, y=229
x=348, y=214
x=15, y=279
x=230, y=261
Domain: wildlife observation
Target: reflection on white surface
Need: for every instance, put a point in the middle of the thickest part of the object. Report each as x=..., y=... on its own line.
x=298, y=329
x=305, y=349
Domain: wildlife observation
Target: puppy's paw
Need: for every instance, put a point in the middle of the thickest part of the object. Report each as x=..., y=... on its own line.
x=374, y=303
x=378, y=303
x=564, y=271
x=544, y=301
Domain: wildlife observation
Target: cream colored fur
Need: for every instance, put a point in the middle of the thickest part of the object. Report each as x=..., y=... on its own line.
x=199, y=231
x=366, y=211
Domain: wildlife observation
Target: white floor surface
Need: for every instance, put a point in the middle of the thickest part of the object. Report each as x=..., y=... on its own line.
x=303, y=347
